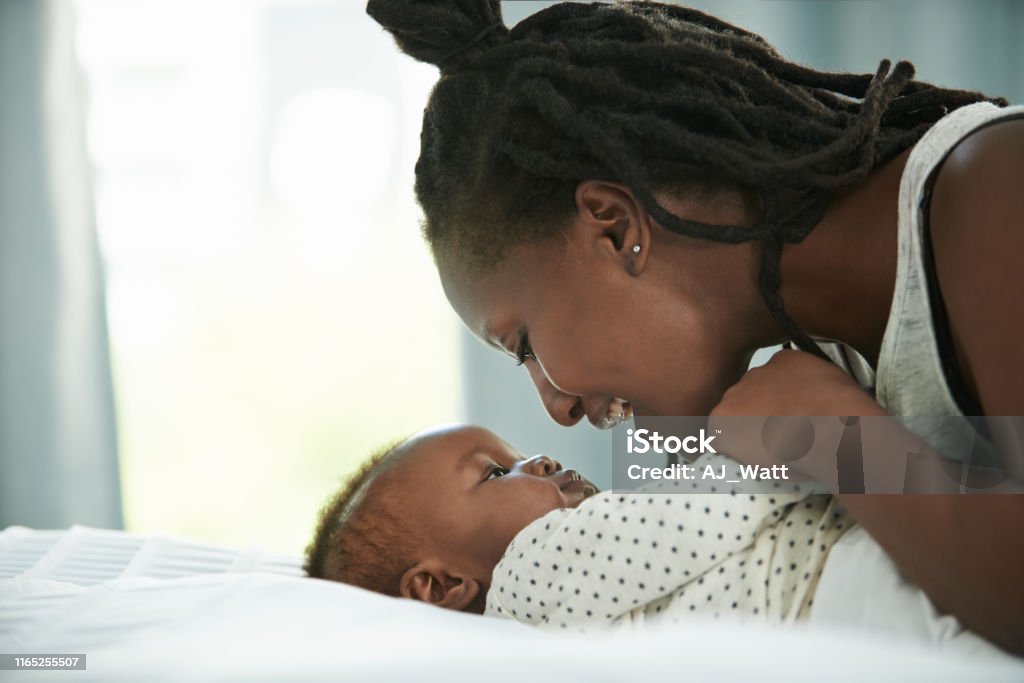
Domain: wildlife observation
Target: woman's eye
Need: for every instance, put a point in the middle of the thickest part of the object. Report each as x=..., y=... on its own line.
x=495, y=472
x=524, y=351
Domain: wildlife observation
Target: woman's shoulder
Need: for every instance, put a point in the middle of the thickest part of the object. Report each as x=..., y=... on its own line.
x=977, y=204
x=984, y=165
x=977, y=229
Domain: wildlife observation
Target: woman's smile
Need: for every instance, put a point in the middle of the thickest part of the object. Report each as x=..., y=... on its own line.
x=616, y=411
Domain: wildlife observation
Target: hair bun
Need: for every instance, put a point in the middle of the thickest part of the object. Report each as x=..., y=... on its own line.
x=434, y=31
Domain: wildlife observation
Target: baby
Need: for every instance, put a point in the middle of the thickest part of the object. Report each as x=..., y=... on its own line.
x=457, y=518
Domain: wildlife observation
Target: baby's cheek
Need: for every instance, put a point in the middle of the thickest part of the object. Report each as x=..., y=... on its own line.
x=535, y=508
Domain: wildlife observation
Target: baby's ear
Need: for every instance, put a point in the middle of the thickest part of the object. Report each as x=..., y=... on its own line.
x=430, y=582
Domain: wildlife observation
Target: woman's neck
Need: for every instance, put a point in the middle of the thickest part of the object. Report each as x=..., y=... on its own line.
x=838, y=283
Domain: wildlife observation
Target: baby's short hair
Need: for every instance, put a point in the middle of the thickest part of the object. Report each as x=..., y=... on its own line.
x=361, y=537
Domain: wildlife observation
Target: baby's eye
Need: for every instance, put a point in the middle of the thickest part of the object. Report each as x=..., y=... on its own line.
x=495, y=472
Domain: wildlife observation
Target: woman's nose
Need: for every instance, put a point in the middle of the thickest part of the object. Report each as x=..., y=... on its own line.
x=565, y=409
x=541, y=466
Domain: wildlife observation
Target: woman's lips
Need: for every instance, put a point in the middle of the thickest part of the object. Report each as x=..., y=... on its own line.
x=616, y=412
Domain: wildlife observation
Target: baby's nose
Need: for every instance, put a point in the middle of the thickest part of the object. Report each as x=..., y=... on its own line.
x=542, y=466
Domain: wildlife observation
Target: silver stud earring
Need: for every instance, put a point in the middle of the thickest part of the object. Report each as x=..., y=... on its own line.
x=636, y=248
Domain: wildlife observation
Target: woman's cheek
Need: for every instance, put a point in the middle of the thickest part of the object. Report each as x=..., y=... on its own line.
x=561, y=371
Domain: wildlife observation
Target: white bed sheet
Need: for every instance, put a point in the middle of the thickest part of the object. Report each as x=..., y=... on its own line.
x=254, y=625
x=862, y=588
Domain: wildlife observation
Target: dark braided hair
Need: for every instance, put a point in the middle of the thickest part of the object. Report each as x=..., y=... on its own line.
x=360, y=538
x=650, y=95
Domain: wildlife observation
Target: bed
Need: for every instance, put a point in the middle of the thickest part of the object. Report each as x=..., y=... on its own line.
x=156, y=608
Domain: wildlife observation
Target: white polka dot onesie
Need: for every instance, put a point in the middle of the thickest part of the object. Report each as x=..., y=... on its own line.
x=629, y=558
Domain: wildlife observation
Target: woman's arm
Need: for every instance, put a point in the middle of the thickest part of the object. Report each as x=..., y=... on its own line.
x=967, y=552
x=977, y=228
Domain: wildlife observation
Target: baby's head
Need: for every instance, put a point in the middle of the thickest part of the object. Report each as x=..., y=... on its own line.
x=430, y=518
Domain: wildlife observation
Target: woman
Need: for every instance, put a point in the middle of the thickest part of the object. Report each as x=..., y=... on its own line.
x=608, y=190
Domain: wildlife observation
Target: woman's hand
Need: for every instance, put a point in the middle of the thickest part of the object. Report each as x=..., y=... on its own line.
x=784, y=413
x=796, y=383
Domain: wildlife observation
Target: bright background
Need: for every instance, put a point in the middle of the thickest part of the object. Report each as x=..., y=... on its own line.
x=274, y=315
x=260, y=290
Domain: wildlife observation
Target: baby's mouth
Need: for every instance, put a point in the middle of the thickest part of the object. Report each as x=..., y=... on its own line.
x=618, y=411
x=576, y=488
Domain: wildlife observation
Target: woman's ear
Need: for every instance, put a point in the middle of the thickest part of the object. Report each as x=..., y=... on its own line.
x=430, y=582
x=609, y=217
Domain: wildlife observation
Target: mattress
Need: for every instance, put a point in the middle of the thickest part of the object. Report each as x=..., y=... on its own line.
x=157, y=609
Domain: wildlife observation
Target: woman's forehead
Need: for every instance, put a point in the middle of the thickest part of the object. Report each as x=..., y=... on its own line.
x=478, y=294
x=474, y=293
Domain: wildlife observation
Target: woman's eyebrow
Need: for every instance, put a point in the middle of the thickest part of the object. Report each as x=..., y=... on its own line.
x=489, y=338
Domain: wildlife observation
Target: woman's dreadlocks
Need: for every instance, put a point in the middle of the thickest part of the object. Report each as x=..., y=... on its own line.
x=650, y=95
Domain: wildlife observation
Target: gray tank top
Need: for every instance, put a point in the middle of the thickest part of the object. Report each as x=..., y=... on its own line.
x=910, y=379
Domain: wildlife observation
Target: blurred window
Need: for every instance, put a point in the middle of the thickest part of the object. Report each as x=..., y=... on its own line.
x=274, y=313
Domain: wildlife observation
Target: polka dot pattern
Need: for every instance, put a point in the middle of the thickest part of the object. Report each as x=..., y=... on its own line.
x=627, y=558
